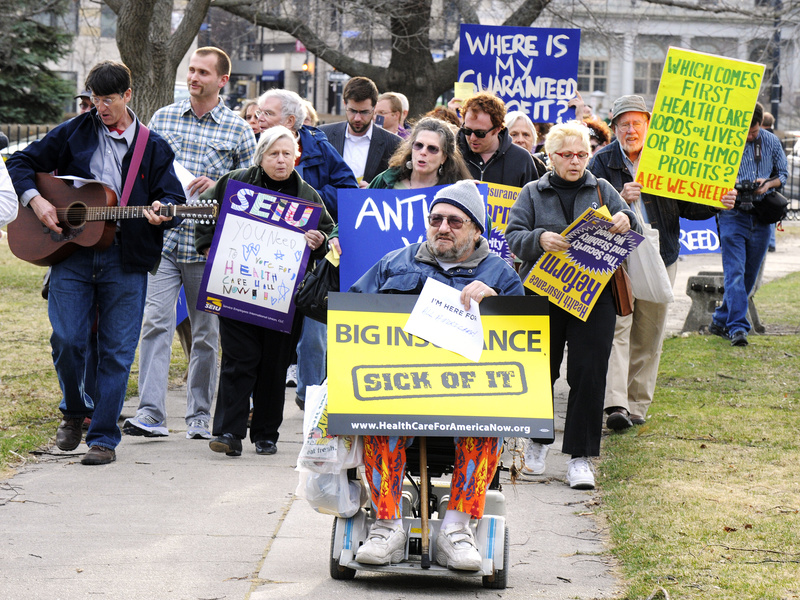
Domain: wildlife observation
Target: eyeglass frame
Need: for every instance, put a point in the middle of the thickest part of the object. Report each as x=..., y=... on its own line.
x=453, y=222
x=632, y=125
x=573, y=155
x=107, y=101
x=363, y=113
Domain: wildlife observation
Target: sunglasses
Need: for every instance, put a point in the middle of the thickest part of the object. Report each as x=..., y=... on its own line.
x=431, y=149
x=453, y=222
x=479, y=133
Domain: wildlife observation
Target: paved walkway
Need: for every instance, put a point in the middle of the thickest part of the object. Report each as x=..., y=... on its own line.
x=171, y=519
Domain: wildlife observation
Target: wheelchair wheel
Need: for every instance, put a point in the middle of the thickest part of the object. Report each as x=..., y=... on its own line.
x=499, y=580
x=337, y=571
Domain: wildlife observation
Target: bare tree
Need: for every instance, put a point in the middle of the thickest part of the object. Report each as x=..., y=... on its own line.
x=409, y=25
x=151, y=49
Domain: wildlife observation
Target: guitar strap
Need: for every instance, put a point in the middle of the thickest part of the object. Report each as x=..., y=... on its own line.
x=136, y=162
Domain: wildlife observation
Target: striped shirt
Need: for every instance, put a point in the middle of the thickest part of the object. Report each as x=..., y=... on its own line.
x=210, y=146
x=773, y=159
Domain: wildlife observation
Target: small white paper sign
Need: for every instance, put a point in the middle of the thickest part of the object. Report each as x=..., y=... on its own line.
x=185, y=177
x=440, y=318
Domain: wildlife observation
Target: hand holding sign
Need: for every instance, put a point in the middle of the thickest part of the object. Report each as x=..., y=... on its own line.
x=445, y=316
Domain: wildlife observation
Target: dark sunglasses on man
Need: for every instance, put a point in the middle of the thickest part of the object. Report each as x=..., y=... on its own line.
x=479, y=133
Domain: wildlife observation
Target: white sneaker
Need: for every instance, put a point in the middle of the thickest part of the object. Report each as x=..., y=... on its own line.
x=386, y=544
x=291, y=376
x=456, y=548
x=533, y=460
x=580, y=475
x=146, y=426
x=198, y=430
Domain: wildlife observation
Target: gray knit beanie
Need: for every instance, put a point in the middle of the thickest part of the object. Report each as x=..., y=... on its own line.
x=465, y=196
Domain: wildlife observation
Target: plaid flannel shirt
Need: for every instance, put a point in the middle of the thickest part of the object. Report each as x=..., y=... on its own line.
x=212, y=145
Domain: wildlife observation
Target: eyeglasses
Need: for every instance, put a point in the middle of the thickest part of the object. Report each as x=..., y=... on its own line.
x=431, y=149
x=453, y=222
x=255, y=115
x=631, y=125
x=108, y=101
x=364, y=113
x=569, y=155
x=479, y=133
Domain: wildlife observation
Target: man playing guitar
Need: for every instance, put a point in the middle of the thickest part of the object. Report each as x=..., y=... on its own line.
x=100, y=145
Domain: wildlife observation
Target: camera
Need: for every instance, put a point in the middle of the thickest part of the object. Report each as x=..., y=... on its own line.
x=746, y=194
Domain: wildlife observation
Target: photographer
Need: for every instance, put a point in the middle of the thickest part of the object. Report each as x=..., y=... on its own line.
x=743, y=237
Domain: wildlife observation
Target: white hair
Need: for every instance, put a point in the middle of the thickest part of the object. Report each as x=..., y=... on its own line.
x=516, y=115
x=291, y=105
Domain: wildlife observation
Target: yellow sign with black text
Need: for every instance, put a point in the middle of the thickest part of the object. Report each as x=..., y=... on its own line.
x=384, y=381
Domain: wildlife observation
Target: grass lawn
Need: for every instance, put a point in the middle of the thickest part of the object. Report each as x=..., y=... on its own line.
x=29, y=392
x=703, y=500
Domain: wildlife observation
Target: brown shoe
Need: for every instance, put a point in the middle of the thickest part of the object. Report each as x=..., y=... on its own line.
x=99, y=455
x=68, y=435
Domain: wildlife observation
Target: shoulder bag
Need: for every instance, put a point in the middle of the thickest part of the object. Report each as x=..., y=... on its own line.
x=620, y=284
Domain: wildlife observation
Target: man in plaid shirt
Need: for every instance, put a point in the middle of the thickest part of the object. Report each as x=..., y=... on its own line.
x=209, y=140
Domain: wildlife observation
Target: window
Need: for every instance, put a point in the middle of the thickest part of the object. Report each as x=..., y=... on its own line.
x=651, y=52
x=592, y=75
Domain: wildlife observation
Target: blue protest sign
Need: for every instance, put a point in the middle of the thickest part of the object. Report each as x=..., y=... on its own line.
x=373, y=222
x=534, y=70
x=258, y=256
x=699, y=237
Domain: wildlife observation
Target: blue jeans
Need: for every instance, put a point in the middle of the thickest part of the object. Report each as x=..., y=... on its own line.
x=744, y=244
x=86, y=282
x=89, y=377
x=311, y=355
x=158, y=329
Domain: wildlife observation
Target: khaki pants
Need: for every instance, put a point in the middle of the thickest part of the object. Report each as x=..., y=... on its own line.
x=633, y=365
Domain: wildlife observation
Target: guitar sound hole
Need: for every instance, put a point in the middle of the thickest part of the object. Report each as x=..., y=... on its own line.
x=76, y=215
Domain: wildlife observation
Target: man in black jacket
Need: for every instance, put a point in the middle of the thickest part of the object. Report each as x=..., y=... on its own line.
x=486, y=146
x=633, y=365
x=365, y=148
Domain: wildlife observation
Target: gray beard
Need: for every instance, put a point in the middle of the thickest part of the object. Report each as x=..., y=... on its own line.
x=454, y=254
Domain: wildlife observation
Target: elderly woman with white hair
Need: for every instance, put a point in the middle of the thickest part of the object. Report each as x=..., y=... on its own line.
x=255, y=359
x=523, y=134
x=542, y=211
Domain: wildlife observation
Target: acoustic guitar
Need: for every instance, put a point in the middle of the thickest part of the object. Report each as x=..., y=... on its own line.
x=87, y=216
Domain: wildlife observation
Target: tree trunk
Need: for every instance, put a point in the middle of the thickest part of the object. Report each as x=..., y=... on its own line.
x=151, y=51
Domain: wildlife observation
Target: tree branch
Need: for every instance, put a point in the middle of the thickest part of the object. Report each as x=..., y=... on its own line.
x=706, y=8
x=298, y=28
x=526, y=13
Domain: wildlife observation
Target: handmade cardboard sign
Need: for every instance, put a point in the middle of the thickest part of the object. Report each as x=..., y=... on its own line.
x=699, y=126
x=534, y=70
x=258, y=256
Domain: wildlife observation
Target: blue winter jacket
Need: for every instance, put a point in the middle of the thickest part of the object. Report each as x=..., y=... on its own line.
x=404, y=271
x=323, y=168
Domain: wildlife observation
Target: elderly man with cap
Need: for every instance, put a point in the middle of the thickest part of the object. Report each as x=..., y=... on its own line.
x=456, y=254
x=85, y=101
x=633, y=365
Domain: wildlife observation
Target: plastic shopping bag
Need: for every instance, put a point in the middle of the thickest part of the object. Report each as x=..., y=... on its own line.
x=323, y=452
x=332, y=493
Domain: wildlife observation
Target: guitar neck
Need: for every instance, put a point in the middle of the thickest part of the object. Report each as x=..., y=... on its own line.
x=116, y=213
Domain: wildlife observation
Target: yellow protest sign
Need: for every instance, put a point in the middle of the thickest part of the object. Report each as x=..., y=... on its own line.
x=699, y=126
x=573, y=279
x=384, y=381
x=499, y=202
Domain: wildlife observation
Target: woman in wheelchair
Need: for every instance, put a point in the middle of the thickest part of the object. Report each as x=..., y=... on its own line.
x=456, y=254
